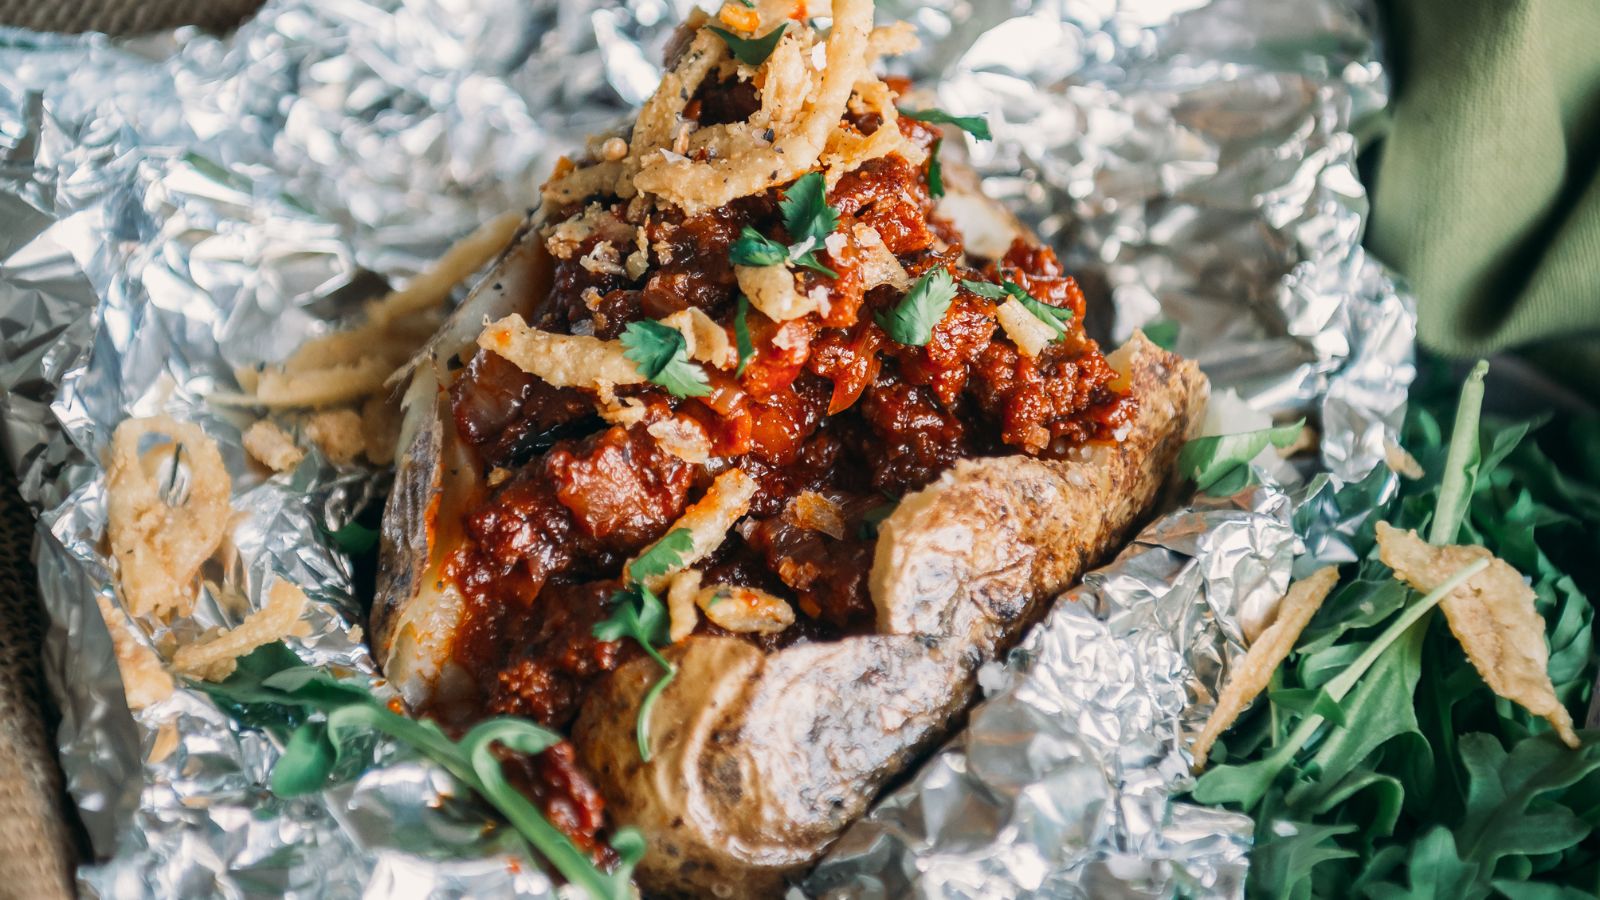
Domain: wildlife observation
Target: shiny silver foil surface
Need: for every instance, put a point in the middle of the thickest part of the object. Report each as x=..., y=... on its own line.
x=177, y=205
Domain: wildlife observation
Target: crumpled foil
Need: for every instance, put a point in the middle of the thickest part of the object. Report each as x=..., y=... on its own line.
x=177, y=205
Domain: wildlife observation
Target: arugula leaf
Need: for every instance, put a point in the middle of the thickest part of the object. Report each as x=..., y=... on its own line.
x=1208, y=460
x=1309, y=701
x=741, y=335
x=751, y=51
x=912, y=320
x=1287, y=856
x=935, y=170
x=1505, y=813
x=662, y=355
x=976, y=126
x=751, y=249
x=1437, y=872
x=306, y=763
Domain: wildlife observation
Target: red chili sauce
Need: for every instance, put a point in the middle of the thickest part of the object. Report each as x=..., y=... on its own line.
x=829, y=403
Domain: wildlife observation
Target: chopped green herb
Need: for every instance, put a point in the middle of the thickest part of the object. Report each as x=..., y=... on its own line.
x=976, y=126
x=639, y=614
x=1217, y=463
x=751, y=51
x=809, y=220
x=313, y=753
x=805, y=209
x=748, y=4
x=1054, y=316
x=663, y=556
x=662, y=355
x=985, y=289
x=741, y=335
x=1163, y=333
x=355, y=538
x=912, y=320
x=935, y=170
x=751, y=249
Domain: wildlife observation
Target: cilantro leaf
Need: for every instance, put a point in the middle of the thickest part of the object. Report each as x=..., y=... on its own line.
x=935, y=170
x=806, y=213
x=661, y=355
x=751, y=51
x=1208, y=460
x=809, y=220
x=912, y=320
x=1054, y=316
x=639, y=614
x=751, y=249
x=985, y=289
x=663, y=556
x=977, y=126
x=741, y=335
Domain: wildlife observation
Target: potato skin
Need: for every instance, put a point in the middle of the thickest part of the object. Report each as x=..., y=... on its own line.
x=760, y=760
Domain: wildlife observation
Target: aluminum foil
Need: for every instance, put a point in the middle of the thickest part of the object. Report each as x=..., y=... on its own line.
x=178, y=205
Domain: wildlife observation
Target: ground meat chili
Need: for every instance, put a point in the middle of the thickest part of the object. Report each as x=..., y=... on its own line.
x=828, y=404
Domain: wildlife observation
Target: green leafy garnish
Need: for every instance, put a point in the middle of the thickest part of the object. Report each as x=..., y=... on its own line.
x=976, y=126
x=741, y=334
x=355, y=538
x=809, y=220
x=1220, y=464
x=752, y=249
x=912, y=320
x=662, y=355
x=1054, y=316
x=751, y=51
x=639, y=614
x=338, y=717
x=872, y=518
x=663, y=556
x=805, y=209
x=1383, y=766
x=1163, y=333
x=935, y=171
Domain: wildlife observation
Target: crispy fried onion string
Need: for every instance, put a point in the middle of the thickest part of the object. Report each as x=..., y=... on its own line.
x=215, y=657
x=1251, y=674
x=798, y=124
x=161, y=541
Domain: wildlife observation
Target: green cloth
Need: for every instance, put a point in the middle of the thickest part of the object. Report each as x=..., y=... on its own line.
x=1486, y=191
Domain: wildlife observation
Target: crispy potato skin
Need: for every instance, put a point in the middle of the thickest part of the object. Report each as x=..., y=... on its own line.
x=761, y=760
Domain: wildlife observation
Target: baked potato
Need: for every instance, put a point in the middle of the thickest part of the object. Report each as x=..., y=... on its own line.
x=674, y=350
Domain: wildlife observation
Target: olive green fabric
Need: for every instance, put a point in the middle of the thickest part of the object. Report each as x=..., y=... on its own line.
x=1486, y=194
